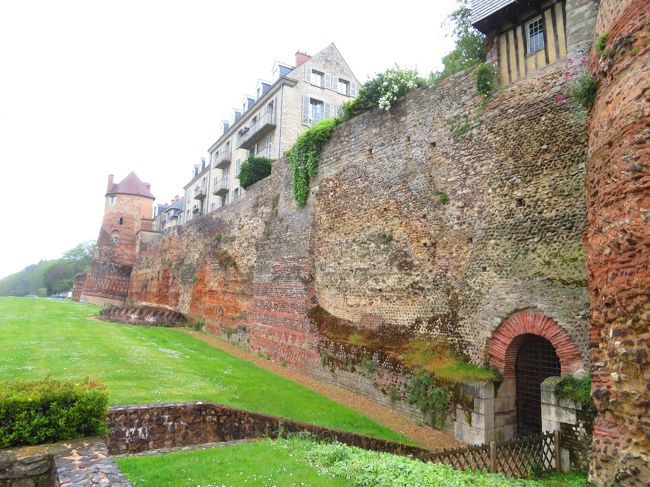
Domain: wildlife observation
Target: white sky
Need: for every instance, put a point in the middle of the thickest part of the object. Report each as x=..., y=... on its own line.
x=90, y=88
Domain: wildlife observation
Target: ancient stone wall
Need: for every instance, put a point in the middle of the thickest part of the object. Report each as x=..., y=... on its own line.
x=442, y=217
x=617, y=243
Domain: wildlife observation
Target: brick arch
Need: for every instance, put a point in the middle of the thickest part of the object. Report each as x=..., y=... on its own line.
x=511, y=333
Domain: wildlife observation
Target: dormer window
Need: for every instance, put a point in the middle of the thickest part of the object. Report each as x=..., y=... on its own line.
x=535, y=35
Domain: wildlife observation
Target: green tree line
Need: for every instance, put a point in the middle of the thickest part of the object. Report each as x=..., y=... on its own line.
x=49, y=276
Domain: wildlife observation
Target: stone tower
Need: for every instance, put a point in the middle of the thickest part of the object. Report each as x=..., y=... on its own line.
x=128, y=209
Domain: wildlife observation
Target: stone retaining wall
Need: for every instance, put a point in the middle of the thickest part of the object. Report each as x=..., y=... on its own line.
x=143, y=315
x=136, y=429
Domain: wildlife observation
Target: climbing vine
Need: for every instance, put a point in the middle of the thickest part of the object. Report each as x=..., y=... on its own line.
x=432, y=399
x=304, y=157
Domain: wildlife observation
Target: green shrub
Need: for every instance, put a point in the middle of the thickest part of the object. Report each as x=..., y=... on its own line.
x=50, y=410
x=485, y=76
x=600, y=43
x=583, y=90
x=578, y=390
x=432, y=400
x=304, y=157
x=382, y=91
x=253, y=169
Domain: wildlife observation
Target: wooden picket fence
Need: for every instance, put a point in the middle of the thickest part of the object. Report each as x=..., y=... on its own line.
x=514, y=458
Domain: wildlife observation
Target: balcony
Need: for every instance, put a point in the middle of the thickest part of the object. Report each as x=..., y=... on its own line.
x=220, y=187
x=200, y=193
x=248, y=137
x=223, y=159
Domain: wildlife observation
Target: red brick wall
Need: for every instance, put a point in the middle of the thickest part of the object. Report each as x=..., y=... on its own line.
x=78, y=286
x=617, y=243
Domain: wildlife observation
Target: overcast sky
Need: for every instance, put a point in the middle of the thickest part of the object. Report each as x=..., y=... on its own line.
x=90, y=88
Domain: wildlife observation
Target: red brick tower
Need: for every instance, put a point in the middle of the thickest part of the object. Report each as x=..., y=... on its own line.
x=128, y=210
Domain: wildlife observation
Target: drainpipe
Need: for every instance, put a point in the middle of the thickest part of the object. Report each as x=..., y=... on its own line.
x=280, y=132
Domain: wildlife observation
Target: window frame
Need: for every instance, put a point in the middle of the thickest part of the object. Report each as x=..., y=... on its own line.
x=529, y=44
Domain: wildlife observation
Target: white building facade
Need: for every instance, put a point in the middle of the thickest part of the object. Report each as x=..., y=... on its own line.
x=268, y=123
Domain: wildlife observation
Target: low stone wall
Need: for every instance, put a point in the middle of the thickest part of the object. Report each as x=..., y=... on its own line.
x=81, y=463
x=143, y=315
x=136, y=429
x=26, y=467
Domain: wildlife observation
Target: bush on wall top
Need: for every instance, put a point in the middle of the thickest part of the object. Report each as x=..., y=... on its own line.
x=382, y=91
x=50, y=410
x=253, y=169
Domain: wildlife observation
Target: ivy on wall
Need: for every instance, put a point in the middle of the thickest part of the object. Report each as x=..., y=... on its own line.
x=304, y=157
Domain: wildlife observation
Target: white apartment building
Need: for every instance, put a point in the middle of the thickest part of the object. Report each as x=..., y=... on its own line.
x=269, y=122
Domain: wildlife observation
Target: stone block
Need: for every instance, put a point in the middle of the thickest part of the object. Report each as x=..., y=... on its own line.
x=503, y=404
x=558, y=414
x=482, y=390
x=484, y=406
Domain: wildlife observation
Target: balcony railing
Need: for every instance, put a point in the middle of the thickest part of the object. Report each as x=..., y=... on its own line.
x=220, y=187
x=223, y=159
x=262, y=126
x=200, y=192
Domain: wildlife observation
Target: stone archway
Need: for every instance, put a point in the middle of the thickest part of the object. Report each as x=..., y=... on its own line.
x=512, y=336
x=514, y=330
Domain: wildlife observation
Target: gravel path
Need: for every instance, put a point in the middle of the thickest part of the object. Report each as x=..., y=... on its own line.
x=424, y=436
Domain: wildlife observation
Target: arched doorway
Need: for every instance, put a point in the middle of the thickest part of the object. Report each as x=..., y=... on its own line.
x=526, y=348
x=536, y=361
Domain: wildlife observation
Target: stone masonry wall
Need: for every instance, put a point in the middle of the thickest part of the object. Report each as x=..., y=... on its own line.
x=379, y=253
x=135, y=429
x=443, y=217
x=617, y=243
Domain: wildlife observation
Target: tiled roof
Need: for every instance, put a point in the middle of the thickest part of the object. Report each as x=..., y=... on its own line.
x=131, y=184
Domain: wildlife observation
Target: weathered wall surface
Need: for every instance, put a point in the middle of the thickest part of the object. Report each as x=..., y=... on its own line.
x=388, y=249
x=205, y=267
x=617, y=243
x=378, y=257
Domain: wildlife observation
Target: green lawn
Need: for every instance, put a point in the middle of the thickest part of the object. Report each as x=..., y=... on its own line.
x=41, y=337
x=303, y=462
x=262, y=463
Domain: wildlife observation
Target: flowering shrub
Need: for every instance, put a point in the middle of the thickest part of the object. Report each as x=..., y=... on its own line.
x=382, y=91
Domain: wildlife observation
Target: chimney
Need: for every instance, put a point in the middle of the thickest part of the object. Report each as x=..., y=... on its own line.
x=196, y=170
x=301, y=57
x=202, y=163
x=110, y=183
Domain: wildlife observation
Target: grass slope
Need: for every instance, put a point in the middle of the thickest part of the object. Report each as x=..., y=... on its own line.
x=261, y=463
x=299, y=461
x=41, y=337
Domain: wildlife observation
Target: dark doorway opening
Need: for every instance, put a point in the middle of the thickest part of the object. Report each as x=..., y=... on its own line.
x=536, y=361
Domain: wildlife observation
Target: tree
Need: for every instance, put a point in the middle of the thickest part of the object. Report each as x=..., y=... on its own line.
x=469, y=49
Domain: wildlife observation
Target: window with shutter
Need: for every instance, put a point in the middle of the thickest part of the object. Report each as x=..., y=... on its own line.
x=305, y=110
x=353, y=89
x=307, y=74
x=328, y=81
